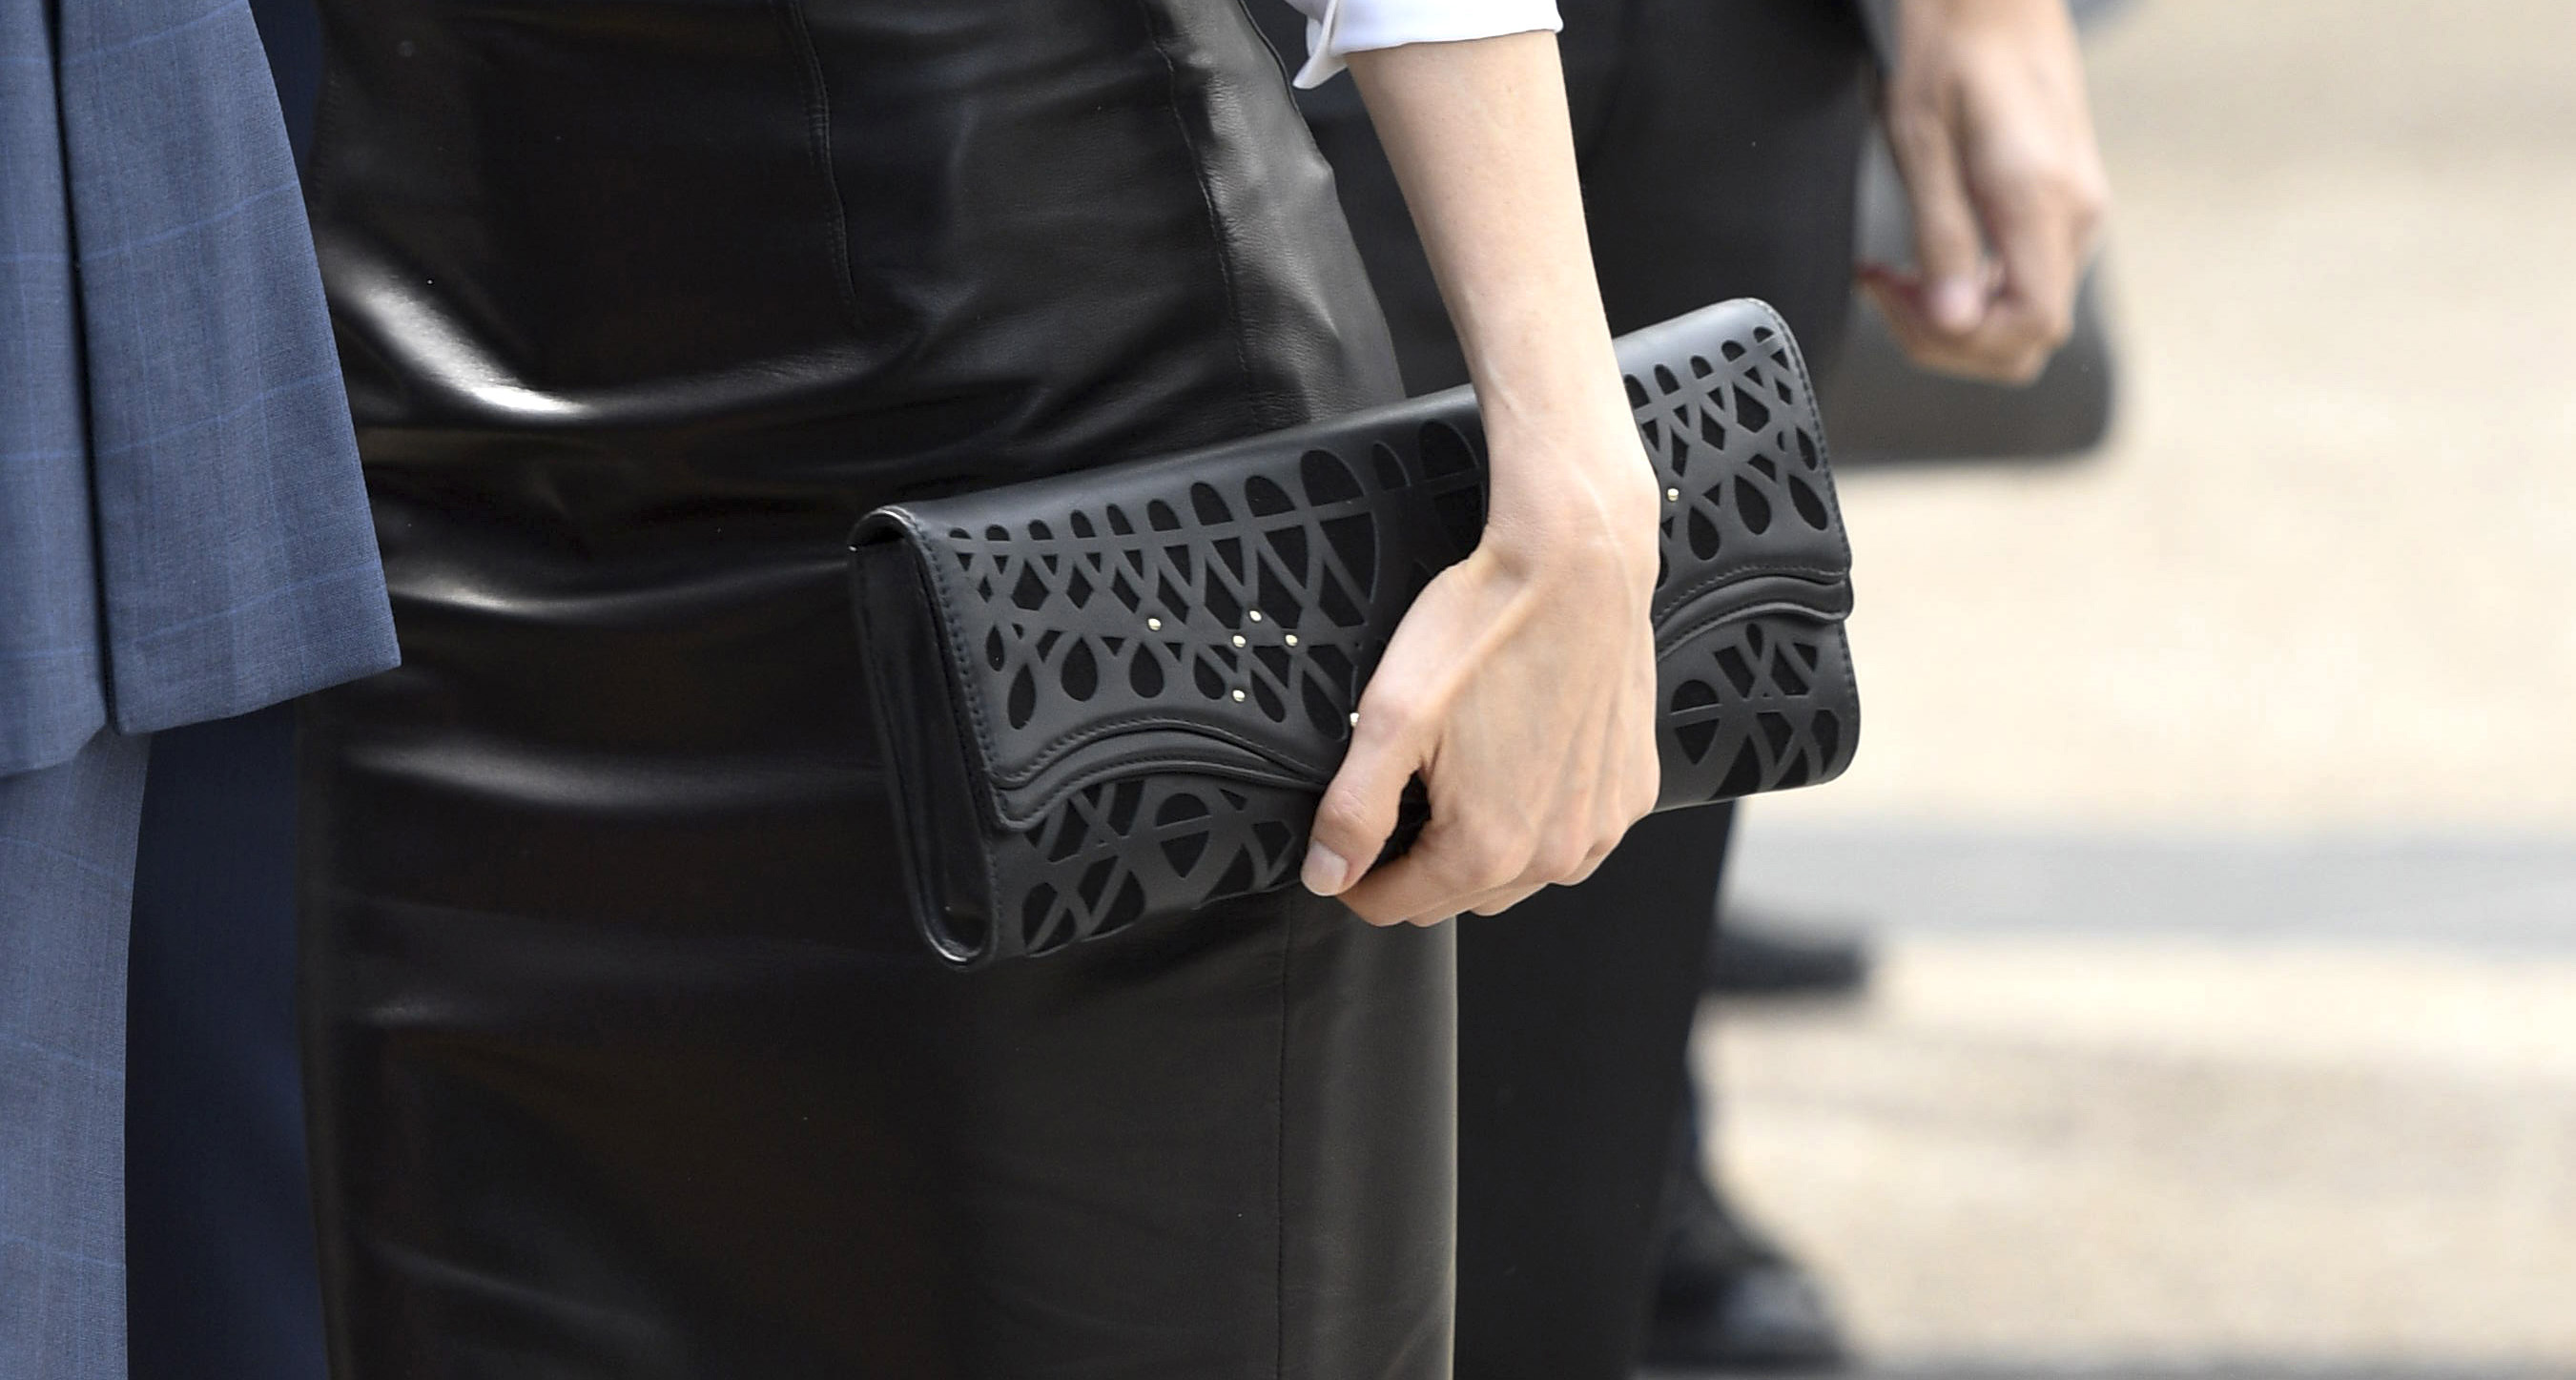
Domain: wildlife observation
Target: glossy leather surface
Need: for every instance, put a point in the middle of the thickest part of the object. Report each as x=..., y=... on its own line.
x=625, y=1059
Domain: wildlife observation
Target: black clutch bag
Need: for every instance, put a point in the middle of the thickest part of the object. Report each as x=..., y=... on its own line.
x=1117, y=694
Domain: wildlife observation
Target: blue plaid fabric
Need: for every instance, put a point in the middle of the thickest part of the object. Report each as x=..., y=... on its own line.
x=183, y=532
x=67, y=837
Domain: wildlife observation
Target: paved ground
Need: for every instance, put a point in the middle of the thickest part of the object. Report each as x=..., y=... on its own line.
x=2506, y=895
x=2218, y=801
x=2158, y=1148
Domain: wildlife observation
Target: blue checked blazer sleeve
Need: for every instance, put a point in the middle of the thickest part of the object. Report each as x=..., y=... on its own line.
x=51, y=694
x=183, y=531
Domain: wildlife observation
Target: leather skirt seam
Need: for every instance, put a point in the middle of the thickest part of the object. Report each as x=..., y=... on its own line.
x=818, y=117
x=1218, y=241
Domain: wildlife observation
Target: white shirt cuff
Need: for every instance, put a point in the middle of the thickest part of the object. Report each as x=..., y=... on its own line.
x=1336, y=27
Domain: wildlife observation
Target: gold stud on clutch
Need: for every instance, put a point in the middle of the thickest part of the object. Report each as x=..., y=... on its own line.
x=1238, y=697
x=1153, y=625
x=1238, y=639
x=1255, y=614
x=1292, y=639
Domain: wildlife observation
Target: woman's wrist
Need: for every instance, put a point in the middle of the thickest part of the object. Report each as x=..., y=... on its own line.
x=1561, y=436
x=1478, y=135
x=1572, y=473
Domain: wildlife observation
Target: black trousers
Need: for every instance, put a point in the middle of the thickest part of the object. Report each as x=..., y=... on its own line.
x=1719, y=144
x=219, y=1220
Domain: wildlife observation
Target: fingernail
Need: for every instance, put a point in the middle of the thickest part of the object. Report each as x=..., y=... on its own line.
x=1325, y=870
x=1956, y=304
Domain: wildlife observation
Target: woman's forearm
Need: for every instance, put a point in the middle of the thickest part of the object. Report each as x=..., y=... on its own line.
x=1478, y=134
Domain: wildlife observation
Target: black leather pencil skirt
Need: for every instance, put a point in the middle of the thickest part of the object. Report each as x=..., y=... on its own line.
x=625, y=1060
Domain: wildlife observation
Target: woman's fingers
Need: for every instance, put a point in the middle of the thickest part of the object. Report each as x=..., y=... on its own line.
x=1479, y=865
x=1359, y=808
x=1529, y=786
x=1534, y=768
x=1564, y=857
x=1453, y=864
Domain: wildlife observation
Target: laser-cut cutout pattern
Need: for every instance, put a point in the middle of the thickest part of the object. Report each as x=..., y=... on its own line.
x=1155, y=665
x=1190, y=842
x=1736, y=463
x=1755, y=704
x=1311, y=570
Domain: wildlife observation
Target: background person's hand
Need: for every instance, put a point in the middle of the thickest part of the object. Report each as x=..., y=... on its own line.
x=1987, y=117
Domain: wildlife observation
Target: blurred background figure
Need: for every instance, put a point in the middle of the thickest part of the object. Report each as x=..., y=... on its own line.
x=2215, y=829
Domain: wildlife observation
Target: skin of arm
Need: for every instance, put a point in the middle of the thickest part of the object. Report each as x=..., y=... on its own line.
x=1987, y=116
x=1521, y=685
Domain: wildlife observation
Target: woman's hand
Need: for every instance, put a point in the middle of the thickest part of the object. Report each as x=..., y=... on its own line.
x=1521, y=686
